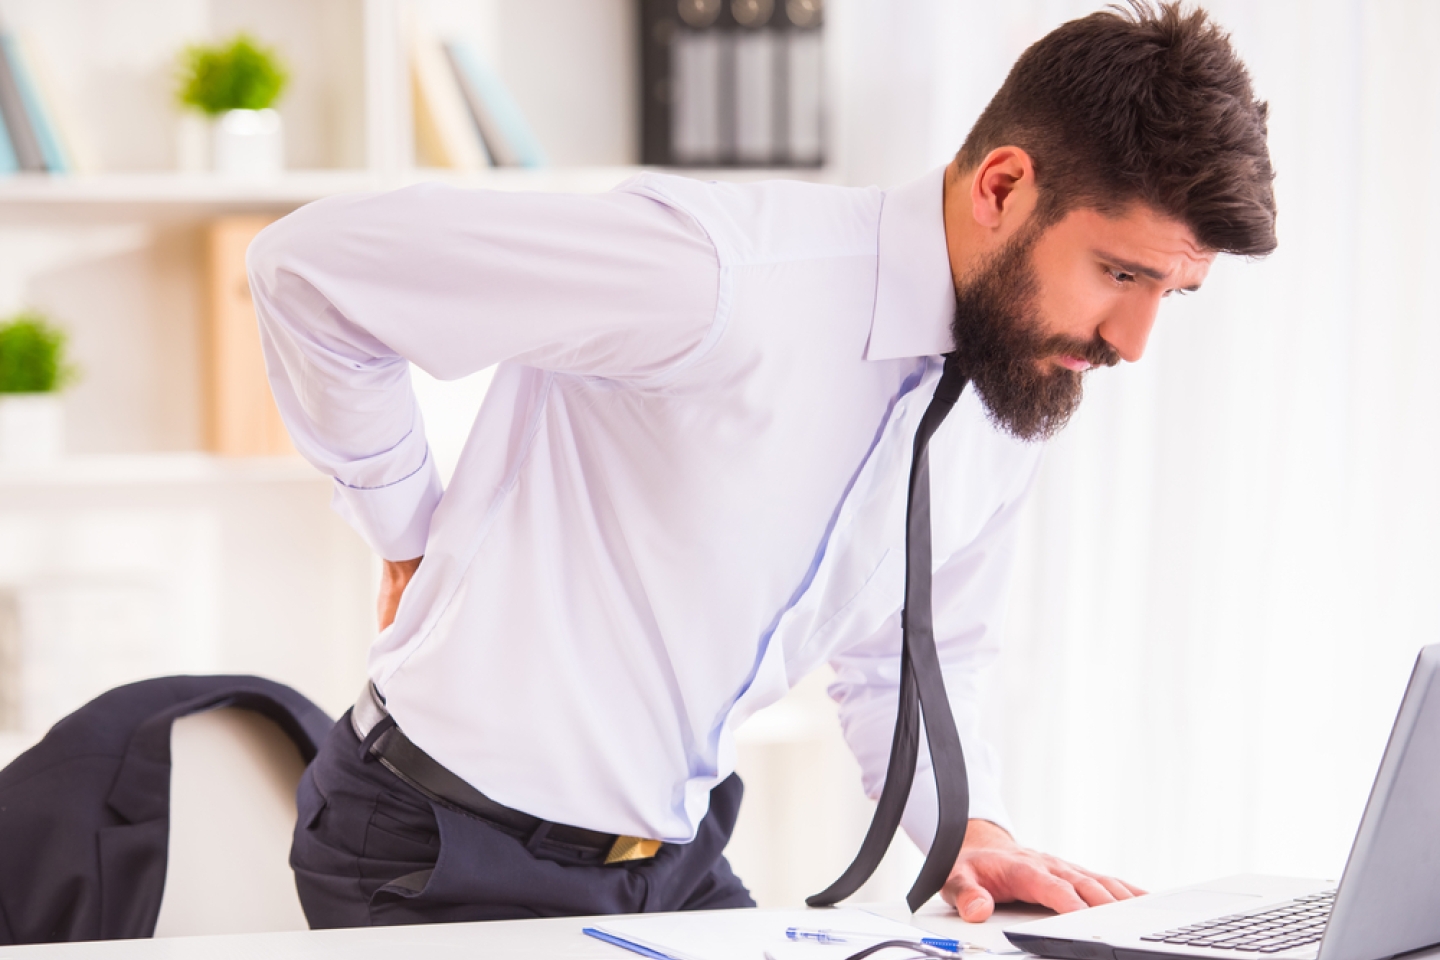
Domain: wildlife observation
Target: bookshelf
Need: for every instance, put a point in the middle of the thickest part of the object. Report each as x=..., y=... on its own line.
x=572, y=64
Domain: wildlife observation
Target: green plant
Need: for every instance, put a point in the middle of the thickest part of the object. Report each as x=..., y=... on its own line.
x=236, y=76
x=32, y=355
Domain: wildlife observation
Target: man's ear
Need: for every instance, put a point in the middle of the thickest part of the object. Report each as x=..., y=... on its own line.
x=1002, y=189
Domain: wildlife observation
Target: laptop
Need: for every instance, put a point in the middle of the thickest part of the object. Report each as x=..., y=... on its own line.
x=1387, y=901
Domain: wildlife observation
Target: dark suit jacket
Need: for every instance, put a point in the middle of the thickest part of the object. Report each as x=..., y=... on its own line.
x=85, y=813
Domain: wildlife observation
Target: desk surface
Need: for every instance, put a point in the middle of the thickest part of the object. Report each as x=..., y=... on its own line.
x=559, y=939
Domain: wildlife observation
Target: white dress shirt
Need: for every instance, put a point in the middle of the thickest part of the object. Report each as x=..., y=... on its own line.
x=684, y=490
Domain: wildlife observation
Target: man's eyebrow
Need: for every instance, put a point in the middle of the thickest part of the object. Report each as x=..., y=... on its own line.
x=1129, y=266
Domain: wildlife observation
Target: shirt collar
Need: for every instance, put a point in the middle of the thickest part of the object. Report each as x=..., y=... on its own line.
x=914, y=293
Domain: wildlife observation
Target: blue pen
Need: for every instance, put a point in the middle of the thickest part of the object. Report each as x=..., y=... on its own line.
x=945, y=943
x=630, y=945
x=844, y=936
x=814, y=936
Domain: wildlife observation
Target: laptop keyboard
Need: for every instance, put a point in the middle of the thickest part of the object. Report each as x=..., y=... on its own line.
x=1285, y=927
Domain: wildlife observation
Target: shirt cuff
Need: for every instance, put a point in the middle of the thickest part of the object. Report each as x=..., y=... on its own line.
x=393, y=519
x=922, y=810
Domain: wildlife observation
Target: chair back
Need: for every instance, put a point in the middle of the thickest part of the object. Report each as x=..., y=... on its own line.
x=232, y=812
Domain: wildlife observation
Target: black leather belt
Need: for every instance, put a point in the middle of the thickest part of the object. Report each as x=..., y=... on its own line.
x=416, y=767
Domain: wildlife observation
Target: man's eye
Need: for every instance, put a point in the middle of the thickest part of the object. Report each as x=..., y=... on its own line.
x=1120, y=276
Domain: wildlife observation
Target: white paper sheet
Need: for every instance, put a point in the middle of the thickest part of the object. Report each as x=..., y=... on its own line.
x=750, y=935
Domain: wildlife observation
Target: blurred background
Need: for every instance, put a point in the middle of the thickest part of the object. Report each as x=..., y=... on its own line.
x=1229, y=562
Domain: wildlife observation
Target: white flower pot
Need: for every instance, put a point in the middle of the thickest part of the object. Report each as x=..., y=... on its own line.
x=32, y=428
x=249, y=144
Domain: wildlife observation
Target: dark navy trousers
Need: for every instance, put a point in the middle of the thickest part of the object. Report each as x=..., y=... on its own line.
x=371, y=850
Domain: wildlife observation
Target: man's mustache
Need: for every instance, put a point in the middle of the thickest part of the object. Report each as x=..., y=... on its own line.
x=1096, y=352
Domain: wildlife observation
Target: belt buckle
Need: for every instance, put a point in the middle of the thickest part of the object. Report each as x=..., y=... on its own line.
x=632, y=848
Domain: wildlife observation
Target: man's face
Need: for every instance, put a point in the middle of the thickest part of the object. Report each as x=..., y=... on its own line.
x=1048, y=306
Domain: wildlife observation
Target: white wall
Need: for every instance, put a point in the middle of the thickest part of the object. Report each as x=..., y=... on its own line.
x=118, y=569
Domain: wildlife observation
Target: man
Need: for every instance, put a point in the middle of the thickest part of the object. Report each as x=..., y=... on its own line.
x=688, y=487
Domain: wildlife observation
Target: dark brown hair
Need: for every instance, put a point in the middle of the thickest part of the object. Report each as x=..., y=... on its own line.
x=1144, y=104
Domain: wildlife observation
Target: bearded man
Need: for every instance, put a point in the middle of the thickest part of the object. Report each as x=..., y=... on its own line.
x=715, y=455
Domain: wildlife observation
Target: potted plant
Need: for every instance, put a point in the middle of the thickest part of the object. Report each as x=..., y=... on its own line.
x=235, y=85
x=32, y=372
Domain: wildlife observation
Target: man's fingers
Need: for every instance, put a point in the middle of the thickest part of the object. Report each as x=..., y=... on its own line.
x=1090, y=889
x=1118, y=888
x=1039, y=885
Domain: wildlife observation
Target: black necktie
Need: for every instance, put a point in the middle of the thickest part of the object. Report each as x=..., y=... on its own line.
x=919, y=674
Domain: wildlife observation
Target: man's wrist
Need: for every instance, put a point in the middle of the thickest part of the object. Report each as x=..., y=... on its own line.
x=394, y=578
x=986, y=833
x=403, y=567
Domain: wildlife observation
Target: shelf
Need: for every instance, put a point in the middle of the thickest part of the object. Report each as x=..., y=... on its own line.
x=157, y=469
x=597, y=179
x=31, y=198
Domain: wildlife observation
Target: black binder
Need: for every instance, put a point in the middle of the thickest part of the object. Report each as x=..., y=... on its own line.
x=732, y=83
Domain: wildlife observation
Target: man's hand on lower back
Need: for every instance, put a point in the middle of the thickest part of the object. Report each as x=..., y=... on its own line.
x=992, y=868
x=394, y=577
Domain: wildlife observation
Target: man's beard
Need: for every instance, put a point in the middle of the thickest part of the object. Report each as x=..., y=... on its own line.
x=1002, y=346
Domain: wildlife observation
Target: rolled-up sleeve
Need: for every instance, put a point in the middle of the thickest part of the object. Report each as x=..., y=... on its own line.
x=350, y=290
x=969, y=591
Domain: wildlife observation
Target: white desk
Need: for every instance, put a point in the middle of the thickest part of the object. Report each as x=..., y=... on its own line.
x=559, y=939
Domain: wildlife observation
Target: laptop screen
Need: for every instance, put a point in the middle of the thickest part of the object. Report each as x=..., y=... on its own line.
x=1386, y=903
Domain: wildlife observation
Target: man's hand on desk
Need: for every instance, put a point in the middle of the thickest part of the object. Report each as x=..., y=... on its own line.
x=992, y=868
x=394, y=576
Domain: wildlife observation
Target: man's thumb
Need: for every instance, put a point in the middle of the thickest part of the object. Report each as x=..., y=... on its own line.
x=974, y=903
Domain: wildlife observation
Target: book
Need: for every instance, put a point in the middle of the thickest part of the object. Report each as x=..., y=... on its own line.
x=756, y=89
x=75, y=147
x=241, y=417
x=9, y=163
x=445, y=134
x=697, y=109
x=657, y=89
x=499, y=118
x=51, y=154
x=804, y=85
x=17, y=121
x=480, y=119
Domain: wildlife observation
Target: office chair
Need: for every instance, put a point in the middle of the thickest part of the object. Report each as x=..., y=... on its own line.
x=232, y=810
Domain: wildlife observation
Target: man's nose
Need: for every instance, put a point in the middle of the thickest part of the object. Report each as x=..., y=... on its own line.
x=1128, y=328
